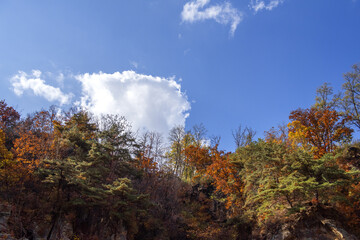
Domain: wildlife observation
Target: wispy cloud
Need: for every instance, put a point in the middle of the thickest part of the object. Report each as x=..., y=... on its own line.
x=225, y=13
x=22, y=82
x=134, y=64
x=150, y=102
x=259, y=5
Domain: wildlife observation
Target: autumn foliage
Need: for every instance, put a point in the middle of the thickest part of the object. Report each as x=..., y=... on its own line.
x=215, y=166
x=97, y=179
x=318, y=130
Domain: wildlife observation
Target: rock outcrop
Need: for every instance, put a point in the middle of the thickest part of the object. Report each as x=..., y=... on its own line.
x=317, y=222
x=5, y=212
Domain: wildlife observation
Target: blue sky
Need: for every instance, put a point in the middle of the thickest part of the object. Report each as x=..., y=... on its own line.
x=187, y=59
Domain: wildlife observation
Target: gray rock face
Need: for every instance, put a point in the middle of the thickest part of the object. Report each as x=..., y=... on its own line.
x=5, y=211
x=316, y=223
x=339, y=232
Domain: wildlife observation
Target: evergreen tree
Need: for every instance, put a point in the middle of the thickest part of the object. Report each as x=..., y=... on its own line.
x=277, y=177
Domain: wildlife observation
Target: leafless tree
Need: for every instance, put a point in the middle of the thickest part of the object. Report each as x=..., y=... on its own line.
x=175, y=155
x=199, y=132
x=215, y=140
x=152, y=145
x=243, y=136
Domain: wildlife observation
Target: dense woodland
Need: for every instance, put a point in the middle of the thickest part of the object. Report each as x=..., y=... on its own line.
x=72, y=175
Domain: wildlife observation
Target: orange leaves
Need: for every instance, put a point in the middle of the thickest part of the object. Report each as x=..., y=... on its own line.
x=7, y=170
x=35, y=135
x=198, y=157
x=224, y=173
x=351, y=210
x=146, y=164
x=29, y=149
x=317, y=130
x=216, y=165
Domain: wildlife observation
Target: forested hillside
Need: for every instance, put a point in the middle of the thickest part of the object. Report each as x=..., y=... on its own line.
x=72, y=175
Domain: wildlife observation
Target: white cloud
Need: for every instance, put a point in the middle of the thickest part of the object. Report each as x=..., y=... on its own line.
x=224, y=13
x=60, y=78
x=258, y=5
x=148, y=102
x=154, y=103
x=22, y=82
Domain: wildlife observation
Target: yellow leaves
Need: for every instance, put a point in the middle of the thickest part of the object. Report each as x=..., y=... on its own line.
x=297, y=135
x=8, y=173
x=317, y=130
x=4, y=153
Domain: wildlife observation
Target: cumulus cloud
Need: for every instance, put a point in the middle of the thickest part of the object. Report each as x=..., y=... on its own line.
x=225, y=13
x=153, y=103
x=258, y=5
x=22, y=82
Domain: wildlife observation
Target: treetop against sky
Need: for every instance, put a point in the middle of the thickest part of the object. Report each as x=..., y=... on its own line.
x=163, y=63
